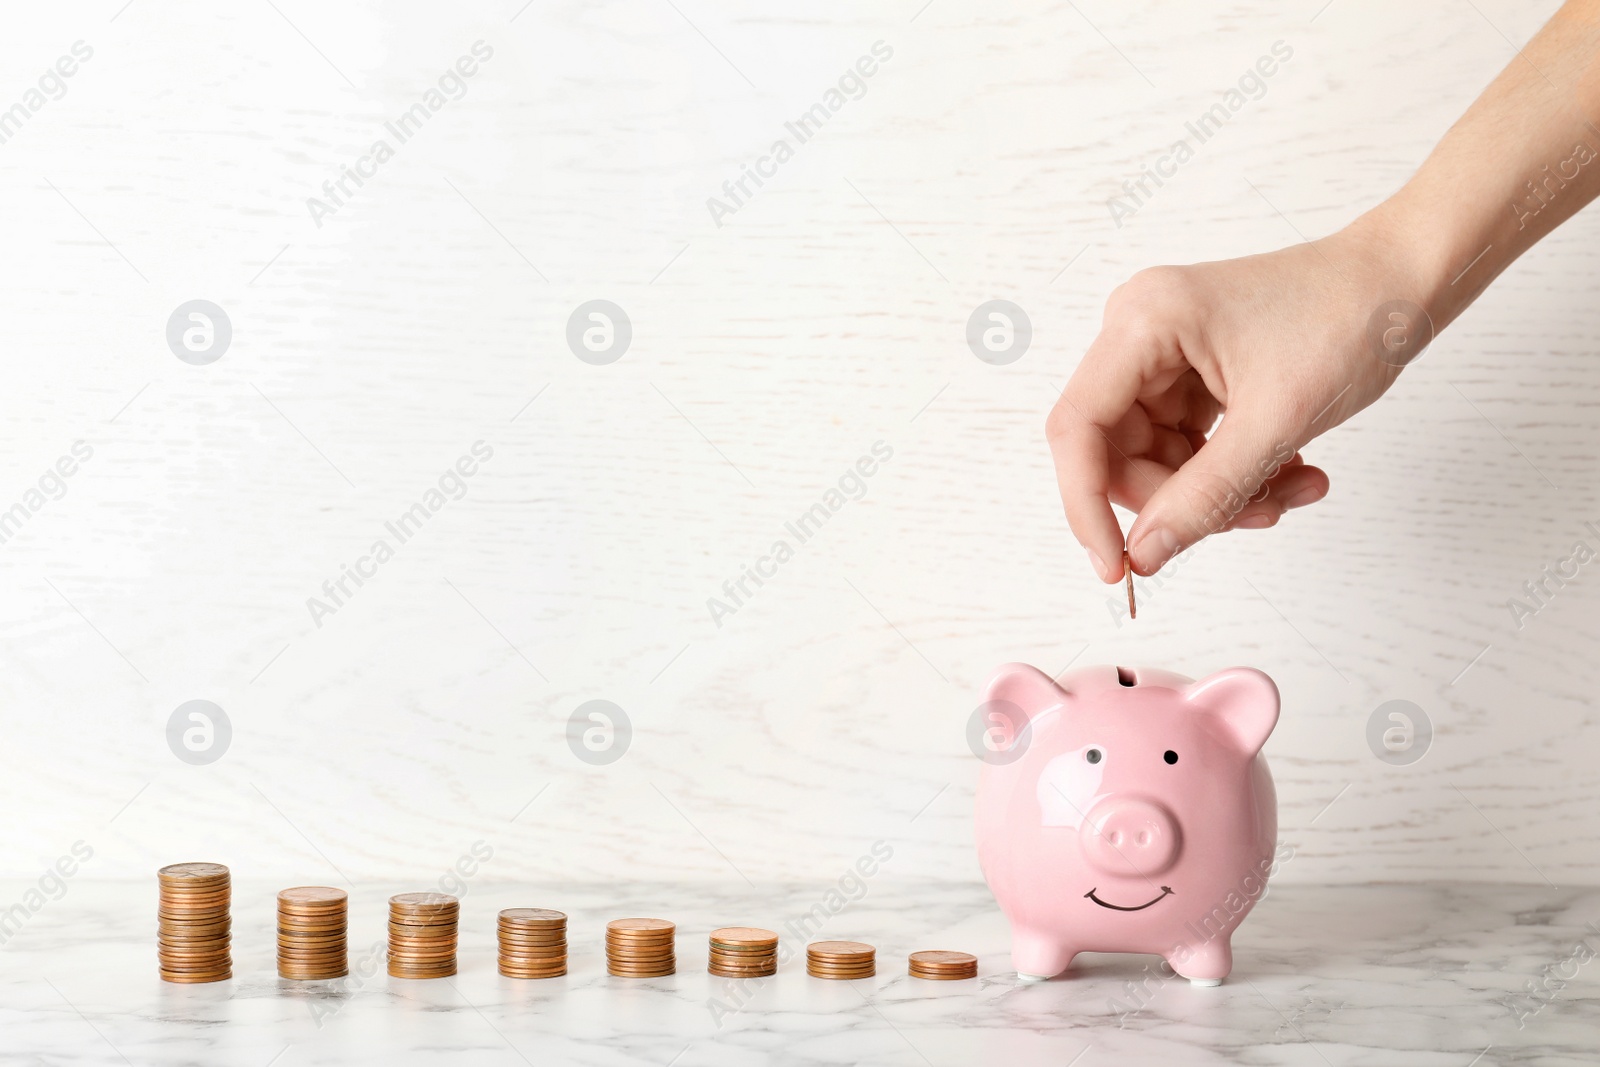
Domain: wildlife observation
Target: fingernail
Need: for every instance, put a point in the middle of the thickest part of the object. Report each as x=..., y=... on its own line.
x=1309, y=495
x=1153, y=549
x=1098, y=564
x=1254, y=522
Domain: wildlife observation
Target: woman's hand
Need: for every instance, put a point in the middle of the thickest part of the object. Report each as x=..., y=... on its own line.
x=1284, y=346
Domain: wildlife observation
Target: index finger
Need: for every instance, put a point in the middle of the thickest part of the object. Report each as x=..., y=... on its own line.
x=1113, y=373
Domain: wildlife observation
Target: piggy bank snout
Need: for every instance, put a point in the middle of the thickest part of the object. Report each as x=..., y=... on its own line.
x=1130, y=836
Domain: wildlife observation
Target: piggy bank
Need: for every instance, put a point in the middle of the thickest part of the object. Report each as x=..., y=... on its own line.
x=1126, y=810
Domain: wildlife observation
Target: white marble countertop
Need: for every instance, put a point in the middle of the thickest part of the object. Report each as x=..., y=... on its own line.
x=1403, y=976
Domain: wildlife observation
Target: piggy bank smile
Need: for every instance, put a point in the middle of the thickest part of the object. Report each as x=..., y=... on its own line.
x=1166, y=891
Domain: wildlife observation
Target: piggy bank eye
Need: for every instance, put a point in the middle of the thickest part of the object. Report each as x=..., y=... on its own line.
x=1093, y=755
x=1170, y=756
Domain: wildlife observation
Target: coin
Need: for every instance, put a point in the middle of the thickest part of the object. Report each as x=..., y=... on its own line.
x=841, y=951
x=202, y=964
x=515, y=972
x=533, y=917
x=436, y=972
x=941, y=965
x=194, y=900
x=744, y=935
x=641, y=949
x=538, y=936
x=194, y=930
x=313, y=975
x=179, y=906
x=744, y=951
x=840, y=976
x=625, y=972
x=192, y=872
x=541, y=952
x=842, y=960
x=191, y=909
x=640, y=927
x=410, y=952
x=422, y=931
x=941, y=959
x=313, y=897
x=313, y=936
x=193, y=979
x=1127, y=567
x=743, y=972
x=421, y=901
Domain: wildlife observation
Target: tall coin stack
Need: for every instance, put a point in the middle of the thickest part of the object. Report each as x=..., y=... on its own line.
x=640, y=948
x=940, y=965
x=422, y=935
x=192, y=924
x=842, y=960
x=743, y=952
x=533, y=943
x=311, y=933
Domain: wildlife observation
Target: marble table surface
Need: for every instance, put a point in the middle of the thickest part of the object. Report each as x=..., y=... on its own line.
x=1400, y=976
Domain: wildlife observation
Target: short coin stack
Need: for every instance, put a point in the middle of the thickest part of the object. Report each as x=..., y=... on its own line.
x=312, y=944
x=640, y=948
x=533, y=943
x=422, y=935
x=942, y=966
x=840, y=960
x=743, y=952
x=192, y=923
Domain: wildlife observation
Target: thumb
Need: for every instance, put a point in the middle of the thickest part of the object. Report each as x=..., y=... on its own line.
x=1210, y=489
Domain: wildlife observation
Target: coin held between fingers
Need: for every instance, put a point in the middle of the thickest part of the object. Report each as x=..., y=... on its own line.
x=1127, y=570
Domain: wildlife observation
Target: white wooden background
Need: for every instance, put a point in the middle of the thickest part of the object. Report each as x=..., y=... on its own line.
x=768, y=354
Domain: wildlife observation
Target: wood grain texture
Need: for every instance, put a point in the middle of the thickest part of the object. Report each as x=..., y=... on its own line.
x=768, y=354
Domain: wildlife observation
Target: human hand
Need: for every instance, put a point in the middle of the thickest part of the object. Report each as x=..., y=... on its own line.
x=1279, y=342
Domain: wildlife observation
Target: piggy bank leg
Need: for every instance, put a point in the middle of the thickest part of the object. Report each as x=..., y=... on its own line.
x=1038, y=956
x=1207, y=964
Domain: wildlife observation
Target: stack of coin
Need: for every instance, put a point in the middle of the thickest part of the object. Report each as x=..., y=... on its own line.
x=942, y=966
x=640, y=948
x=422, y=935
x=840, y=959
x=533, y=943
x=743, y=952
x=311, y=933
x=193, y=927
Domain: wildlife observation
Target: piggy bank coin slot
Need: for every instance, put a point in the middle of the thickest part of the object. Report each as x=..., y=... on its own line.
x=1125, y=677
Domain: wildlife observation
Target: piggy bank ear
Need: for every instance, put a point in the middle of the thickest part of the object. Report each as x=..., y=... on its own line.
x=1027, y=687
x=1244, y=702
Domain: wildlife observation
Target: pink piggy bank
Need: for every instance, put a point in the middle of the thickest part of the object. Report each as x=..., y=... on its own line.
x=1126, y=810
